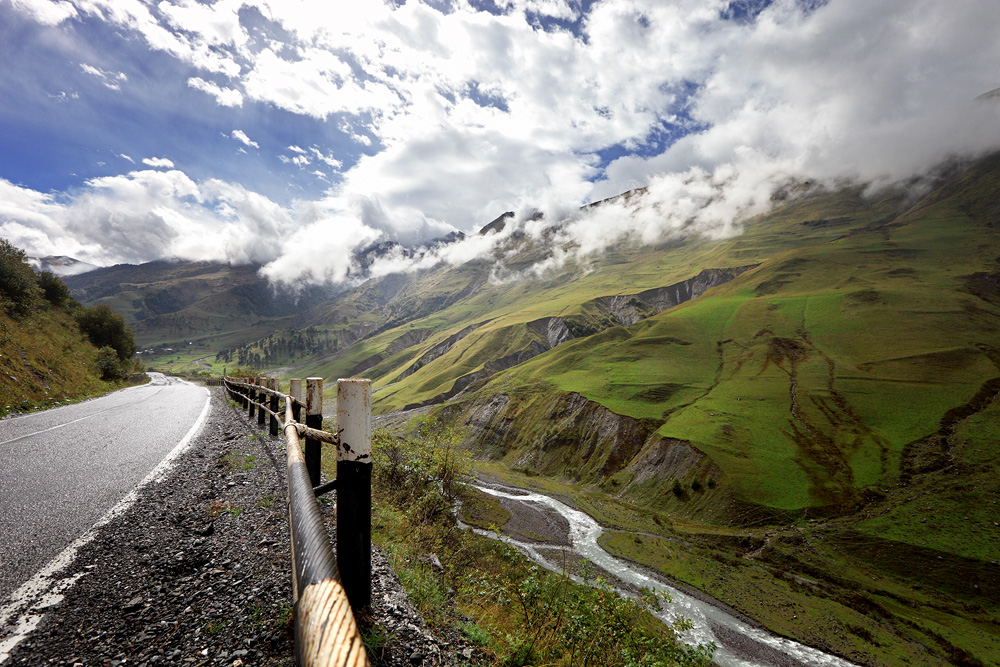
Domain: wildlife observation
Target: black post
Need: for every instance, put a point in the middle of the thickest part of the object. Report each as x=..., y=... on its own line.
x=273, y=384
x=314, y=419
x=354, y=490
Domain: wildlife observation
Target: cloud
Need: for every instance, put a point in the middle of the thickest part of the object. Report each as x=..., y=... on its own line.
x=226, y=97
x=126, y=157
x=158, y=162
x=110, y=80
x=46, y=12
x=146, y=215
x=241, y=137
x=437, y=119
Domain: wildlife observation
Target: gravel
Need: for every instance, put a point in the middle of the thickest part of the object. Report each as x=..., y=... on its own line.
x=198, y=572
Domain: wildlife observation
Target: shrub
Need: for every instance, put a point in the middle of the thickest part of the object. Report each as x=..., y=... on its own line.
x=104, y=327
x=109, y=365
x=53, y=289
x=20, y=294
x=422, y=472
x=548, y=619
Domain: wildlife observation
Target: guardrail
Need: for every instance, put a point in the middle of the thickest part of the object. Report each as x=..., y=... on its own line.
x=325, y=589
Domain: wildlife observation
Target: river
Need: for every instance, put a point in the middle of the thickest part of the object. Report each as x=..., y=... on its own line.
x=739, y=644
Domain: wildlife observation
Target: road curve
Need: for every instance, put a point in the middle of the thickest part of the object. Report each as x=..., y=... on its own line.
x=61, y=470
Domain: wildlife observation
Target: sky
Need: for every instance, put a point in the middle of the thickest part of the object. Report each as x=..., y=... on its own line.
x=292, y=134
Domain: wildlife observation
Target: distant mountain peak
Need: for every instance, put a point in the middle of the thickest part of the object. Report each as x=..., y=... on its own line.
x=61, y=265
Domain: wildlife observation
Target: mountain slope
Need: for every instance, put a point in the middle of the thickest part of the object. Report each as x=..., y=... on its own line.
x=211, y=306
x=801, y=417
x=827, y=415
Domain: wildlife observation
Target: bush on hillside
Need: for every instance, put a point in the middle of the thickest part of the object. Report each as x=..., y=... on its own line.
x=20, y=294
x=105, y=327
x=53, y=289
x=110, y=366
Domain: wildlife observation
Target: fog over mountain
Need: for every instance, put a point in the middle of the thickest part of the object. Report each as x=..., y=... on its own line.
x=331, y=128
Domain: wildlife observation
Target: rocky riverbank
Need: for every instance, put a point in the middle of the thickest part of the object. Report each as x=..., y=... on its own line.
x=197, y=572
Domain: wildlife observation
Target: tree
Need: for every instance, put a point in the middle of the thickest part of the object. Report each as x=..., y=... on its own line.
x=20, y=294
x=110, y=366
x=105, y=327
x=53, y=289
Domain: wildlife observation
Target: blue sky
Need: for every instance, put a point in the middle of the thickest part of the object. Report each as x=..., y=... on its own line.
x=290, y=134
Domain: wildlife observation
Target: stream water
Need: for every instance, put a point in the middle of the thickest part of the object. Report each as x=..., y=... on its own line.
x=739, y=644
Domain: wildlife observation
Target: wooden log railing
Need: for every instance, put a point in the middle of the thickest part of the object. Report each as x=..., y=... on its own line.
x=325, y=589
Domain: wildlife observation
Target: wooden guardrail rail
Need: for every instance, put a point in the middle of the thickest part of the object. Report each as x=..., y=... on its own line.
x=325, y=589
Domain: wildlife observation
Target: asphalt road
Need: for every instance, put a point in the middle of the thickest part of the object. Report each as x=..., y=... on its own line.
x=61, y=470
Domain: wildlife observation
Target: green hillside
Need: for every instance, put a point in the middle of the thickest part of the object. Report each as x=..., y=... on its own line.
x=46, y=359
x=800, y=420
x=183, y=311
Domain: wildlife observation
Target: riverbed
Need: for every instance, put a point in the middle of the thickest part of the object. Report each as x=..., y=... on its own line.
x=545, y=530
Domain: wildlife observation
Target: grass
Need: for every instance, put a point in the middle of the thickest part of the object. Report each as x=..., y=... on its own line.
x=825, y=582
x=46, y=362
x=516, y=612
x=238, y=460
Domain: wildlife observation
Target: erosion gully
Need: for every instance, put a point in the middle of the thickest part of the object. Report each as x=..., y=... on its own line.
x=739, y=643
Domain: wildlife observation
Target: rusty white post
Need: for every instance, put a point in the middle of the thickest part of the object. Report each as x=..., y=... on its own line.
x=273, y=384
x=354, y=490
x=295, y=391
x=314, y=419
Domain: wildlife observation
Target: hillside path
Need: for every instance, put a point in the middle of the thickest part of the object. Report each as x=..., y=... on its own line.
x=63, y=469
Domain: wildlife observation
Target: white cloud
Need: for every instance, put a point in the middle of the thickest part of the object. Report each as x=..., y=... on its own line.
x=110, y=80
x=240, y=136
x=463, y=115
x=226, y=97
x=326, y=158
x=146, y=215
x=46, y=12
x=560, y=9
x=158, y=162
x=126, y=157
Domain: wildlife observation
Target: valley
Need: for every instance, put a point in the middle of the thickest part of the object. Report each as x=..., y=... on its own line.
x=800, y=420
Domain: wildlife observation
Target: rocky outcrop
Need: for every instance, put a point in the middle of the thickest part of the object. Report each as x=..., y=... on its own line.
x=627, y=309
x=409, y=339
x=547, y=331
x=438, y=350
x=567, y=435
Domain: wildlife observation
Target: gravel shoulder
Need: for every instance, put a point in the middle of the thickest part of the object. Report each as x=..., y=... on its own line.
x=197, y=572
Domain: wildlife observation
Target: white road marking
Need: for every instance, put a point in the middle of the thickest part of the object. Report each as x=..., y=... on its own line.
x=43, y=590
x=90, y=416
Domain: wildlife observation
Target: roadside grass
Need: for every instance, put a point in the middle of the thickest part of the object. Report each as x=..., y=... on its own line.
x=517, y=612
x=238, y=460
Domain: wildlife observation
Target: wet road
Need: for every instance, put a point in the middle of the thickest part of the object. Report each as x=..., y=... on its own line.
x=61, y=470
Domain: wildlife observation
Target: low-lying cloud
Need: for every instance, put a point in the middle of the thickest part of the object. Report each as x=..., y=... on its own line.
x=464, y=115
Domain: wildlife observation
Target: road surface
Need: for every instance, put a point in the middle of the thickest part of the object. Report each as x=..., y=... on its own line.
x=63, y=469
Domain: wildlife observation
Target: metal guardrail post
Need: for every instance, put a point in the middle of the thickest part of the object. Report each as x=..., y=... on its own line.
x=273, y=384
x=295, y=391
x=354, y=490
x=314, y=419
